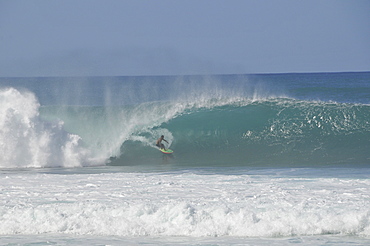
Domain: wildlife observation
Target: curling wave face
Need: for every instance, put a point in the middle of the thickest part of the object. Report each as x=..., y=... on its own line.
x=272, y=132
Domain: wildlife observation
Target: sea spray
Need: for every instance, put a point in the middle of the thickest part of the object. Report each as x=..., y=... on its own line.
x=104, y=129
x=28, y=141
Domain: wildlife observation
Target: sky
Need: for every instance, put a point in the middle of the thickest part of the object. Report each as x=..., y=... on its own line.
x=182, y=37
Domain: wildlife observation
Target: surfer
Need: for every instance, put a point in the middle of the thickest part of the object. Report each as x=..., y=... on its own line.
x=159, y=142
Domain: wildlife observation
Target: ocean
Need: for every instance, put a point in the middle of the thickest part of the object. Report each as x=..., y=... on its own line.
x=259, y=159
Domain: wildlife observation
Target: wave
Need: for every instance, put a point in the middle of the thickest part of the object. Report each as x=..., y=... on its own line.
x=272, y=132
x=227, y=132
x=203, y=131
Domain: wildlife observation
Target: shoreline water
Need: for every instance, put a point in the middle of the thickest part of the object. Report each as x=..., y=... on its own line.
x=274, y=205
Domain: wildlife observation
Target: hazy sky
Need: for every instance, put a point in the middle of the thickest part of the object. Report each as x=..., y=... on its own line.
x=177, y=37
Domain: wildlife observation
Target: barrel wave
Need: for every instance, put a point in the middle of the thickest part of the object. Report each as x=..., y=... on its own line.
x=274, y=132
x=208, y=122
x=217, y=132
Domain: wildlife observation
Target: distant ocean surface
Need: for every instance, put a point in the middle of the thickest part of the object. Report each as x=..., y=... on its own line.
x=258, y=159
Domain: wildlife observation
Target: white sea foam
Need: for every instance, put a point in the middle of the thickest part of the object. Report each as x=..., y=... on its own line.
x=27, y=141
x=183, y=204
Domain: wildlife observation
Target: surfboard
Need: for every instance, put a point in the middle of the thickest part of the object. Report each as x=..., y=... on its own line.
x=167, y=151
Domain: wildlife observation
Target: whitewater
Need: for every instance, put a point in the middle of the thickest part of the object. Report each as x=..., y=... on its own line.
x=258, y=159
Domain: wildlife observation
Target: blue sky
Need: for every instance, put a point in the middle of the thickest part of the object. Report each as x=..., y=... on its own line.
x=168, y=37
